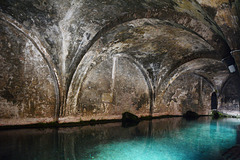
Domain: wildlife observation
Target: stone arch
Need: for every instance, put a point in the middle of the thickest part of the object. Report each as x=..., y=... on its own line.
x=191, y=67
x=79, y=55
x=90, y=57
x=214, y=100
x=185, y=67
x=194, y=20
x=229, y=98
x=208, y=81
x=226, y=82
x=173, y=16
x=104, y=98
x=146, y=76
x=107, y=28
x=36, y=43
x=198, y=23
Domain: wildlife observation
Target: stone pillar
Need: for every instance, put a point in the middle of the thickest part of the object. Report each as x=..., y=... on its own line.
x=236, y=56
x=230, y=63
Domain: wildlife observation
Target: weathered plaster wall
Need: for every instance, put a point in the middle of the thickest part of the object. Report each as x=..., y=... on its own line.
x=78, y=60
x=229, y=99
x=112, y=89
x=26, y=89
x=189, y=88
x=226, y=15
x=188, y=92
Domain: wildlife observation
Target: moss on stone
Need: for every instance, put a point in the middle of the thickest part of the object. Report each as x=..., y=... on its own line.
x=217, y=114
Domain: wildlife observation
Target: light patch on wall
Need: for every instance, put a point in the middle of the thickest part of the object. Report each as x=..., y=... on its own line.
x=231, y=68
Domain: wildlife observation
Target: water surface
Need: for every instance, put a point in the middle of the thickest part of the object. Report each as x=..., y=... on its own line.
x=159, y=139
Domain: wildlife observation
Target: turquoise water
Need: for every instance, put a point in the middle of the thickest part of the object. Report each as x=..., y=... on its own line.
x=162, y=139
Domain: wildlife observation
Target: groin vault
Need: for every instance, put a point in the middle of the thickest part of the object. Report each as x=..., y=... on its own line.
x=81, y=60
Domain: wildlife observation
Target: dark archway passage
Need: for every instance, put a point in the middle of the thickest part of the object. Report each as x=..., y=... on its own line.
x=214, y=102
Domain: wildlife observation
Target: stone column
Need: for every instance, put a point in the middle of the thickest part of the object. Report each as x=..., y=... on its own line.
x=236, y=55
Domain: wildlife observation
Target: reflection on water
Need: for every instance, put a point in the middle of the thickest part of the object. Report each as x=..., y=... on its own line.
x=238, y=134
x=170, y=138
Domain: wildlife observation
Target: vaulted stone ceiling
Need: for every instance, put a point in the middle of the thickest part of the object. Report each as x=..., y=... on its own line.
x=69, y=61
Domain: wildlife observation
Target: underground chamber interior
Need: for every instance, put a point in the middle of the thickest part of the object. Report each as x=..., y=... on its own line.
x=66, y=67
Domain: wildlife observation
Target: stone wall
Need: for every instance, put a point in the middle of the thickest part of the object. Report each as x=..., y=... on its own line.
x=229, y=99
x=188, y=92
x=27, y=90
